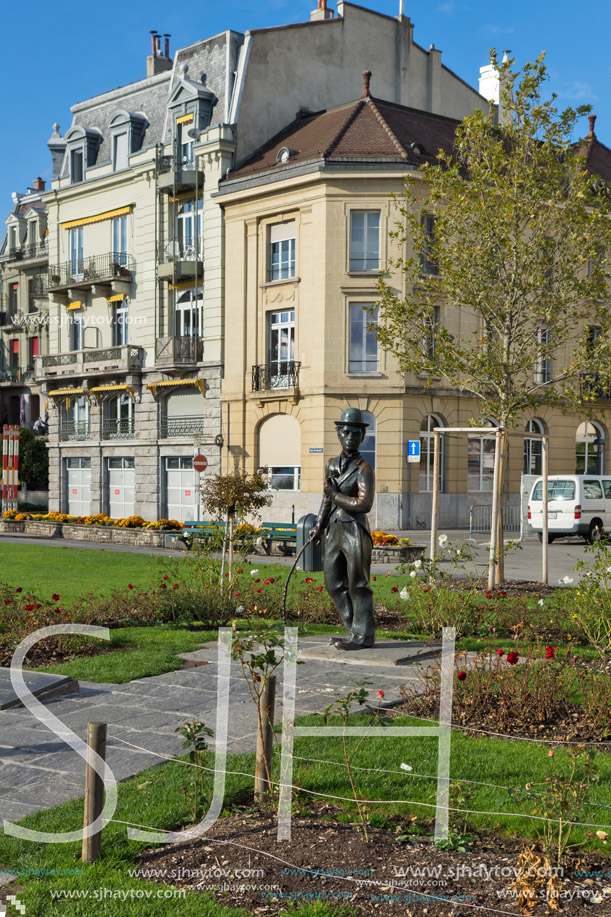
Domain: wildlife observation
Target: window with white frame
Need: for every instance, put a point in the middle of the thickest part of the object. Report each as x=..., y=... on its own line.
x=281, y=251
x=76, y=251
x=76, y=328
x=533, y=448
x=362, y=339
x=589, y=448
x=427, y=453
x=189, y=313
x=365, y=240
x=119, y=240
x=189, y=230
x=119, y=323
x=431, y=331
x=480, y=460
x=428, y=264
x=120, y=151
x=281, y=354
x=543, y=368
x=184, y=143
x=119, y=415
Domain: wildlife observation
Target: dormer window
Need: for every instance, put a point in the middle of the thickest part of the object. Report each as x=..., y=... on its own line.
x=82, y=145
x=127, y=133
x=190, y=108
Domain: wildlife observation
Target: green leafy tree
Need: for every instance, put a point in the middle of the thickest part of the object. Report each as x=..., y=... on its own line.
x=226, y=495
x=504, y=275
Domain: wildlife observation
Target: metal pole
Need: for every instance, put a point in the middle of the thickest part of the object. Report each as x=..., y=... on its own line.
x=265, y=739
x=494, y=521
x=409, y=495
x=545, y=526
x=94, y=791
x=435, y=505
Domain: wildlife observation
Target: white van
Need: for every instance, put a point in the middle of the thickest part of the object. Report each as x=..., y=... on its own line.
x=578, y=504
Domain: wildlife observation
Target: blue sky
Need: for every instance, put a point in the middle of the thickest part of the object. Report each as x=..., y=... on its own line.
x=56, y=54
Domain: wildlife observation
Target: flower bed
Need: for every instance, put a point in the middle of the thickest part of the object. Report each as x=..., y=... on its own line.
x=76, y=532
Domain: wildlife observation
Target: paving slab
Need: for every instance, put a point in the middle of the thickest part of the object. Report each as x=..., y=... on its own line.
x=41, y=684
x=385, y=653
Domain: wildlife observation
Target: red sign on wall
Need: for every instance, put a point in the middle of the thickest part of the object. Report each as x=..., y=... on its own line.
x=75, y=491
x=187, y=493
x=117, y=492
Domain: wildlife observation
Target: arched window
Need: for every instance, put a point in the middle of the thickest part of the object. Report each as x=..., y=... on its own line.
x=280, y=451
x=189, y=230
x=118, y=420
x=480, y=459
x=427, y=453
x=368, y=446
x=189, y=313
x=533, y=448
x=589, y=448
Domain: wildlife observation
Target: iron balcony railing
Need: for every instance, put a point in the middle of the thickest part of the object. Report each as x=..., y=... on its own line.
x=109, y=354
x=178, y=251
x=284, y=374
x=72, y=431
x=169, y=163
x=91, y=269
x=180, y=426
x=118, y=429
x=29, y=252
x=60, y=359
x=185, y=349
x=17, y=375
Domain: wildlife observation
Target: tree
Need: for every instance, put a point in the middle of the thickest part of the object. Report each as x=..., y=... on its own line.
x=505, y=280
x=224, y=495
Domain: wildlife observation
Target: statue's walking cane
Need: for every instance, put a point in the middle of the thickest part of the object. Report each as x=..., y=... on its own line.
x=286, y=585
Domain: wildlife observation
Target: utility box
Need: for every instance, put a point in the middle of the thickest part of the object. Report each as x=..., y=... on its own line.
x=311, y=559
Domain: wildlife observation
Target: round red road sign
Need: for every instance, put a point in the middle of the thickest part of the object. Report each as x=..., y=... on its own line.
x=200, y=463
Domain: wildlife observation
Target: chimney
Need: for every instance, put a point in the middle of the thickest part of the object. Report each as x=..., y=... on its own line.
x=366, y=94
x=39, y=184
x=592, y=120
x=321, y=12
x=57, y=148
x=157, y=62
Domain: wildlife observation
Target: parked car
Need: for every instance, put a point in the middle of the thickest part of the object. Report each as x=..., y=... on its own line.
x=578, y=504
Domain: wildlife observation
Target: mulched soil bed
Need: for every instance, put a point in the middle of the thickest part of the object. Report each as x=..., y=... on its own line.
x=331, y=861
x=48, y=655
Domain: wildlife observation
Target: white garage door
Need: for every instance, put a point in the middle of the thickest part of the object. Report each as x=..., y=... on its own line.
x=121, y=487
x=78, y=474
x=182, y=498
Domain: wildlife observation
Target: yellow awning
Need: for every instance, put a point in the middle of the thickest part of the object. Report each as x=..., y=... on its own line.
x=113, y=388
x=200, y=383
x=98, y=218
x=74, y=305
x=184, y=196
x=184, y=284
x=116, y=297
x=184, y=119
x=58, y=392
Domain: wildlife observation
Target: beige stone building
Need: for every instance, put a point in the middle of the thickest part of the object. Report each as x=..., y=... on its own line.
x=138, y=336
x=307, y=222
x=24, y=309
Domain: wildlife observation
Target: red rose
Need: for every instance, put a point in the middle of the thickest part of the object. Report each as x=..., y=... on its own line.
x=549, y=652
x=461, y=676
x=394, y=589
x=320, y=588
x=259, y=589
x=129, y=586
x=380, y=693
x=512, y=658
x=240, y=570
x=500, y=652
x=30, y=607
x=309, y=579
x=165, y=576
x=373, y=579
x=488, y=595
x=237, y=595
x=257, y=580
x=427, y=589
x=271, y=579
x=163, y=586
x=175, y=586
x=18, y=589
x=55, y=597
x=7, y=601
x=502, y=592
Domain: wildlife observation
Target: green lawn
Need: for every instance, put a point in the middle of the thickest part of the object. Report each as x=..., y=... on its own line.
x=155, y=798
x=73, y=572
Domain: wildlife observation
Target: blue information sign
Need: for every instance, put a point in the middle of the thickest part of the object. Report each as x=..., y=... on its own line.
x=413, y=450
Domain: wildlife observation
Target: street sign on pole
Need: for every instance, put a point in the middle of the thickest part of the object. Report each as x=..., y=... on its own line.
x=200, y=463
x=413, y=450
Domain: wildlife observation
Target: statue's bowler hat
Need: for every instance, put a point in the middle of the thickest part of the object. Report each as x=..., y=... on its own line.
x=352, y=416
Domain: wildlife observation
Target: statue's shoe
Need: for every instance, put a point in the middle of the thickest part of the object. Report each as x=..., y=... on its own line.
x=349, y=645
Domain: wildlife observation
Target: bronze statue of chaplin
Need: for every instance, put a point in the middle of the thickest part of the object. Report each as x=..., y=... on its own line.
x=349, y=492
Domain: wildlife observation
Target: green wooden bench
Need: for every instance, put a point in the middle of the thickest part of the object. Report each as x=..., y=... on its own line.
x=270, y=532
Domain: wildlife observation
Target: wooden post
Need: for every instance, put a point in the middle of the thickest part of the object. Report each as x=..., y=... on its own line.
x=545, y=520
x=265, y=739
x=94, y=790
x=500, y=535
x=435, y=505
x=495, y=508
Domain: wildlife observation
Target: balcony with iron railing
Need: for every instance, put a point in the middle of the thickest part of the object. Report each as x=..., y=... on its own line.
x=36, y=251
x=84, y=273
x=174, y=427
x=74, y=431
x=271, y=377
x=126, y=358
x=118, y=429
x=179, y=261
x=17, y=375
x=178, y=350
x=176, y=175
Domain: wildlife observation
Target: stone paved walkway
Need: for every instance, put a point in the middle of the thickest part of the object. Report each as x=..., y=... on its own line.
x=38, y=770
